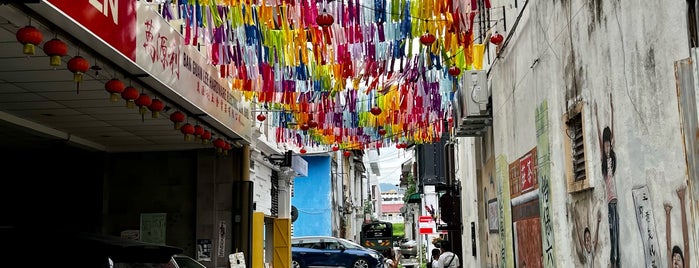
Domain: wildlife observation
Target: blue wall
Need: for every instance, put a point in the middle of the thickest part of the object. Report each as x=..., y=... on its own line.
x=312, y=199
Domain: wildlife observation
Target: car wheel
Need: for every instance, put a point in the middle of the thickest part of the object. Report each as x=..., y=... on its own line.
x=360, y=263
x=295, y=264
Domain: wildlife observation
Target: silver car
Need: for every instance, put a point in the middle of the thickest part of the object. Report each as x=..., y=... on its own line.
x=408, y=248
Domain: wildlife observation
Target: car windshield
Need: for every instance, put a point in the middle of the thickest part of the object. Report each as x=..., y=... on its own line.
x=170, y=264
x=349, y=244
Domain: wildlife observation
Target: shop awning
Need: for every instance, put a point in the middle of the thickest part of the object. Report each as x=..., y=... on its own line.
x=414, y=198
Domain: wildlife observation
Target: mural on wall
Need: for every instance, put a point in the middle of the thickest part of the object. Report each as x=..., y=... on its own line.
x=491, y=210
x=608, y=157
x=505, y=217
x=544, y=175
x=585, y=240
x=676, y=257
x=646, y=226
x=526, y=216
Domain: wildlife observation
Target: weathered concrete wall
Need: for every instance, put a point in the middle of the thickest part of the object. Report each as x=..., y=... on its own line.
x=616, y=58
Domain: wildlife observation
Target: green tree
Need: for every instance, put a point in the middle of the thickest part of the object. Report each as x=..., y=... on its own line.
x=412, y=188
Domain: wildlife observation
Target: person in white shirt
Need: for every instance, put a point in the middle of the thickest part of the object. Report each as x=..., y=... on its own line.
x=447, y=259
x=435, y=257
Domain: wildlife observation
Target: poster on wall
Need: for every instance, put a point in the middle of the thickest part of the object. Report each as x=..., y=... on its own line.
x=153, y=227
x=646, y=226
x=527, y=174
x=204, y=249
x=222, y=239
x=493, y=220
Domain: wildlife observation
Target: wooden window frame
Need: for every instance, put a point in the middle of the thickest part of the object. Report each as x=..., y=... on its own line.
x=584, y=184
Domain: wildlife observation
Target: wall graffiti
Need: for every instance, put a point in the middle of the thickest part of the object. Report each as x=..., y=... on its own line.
x=676, y=258
x=544, y=177
x=585, y=237
x=608, y=157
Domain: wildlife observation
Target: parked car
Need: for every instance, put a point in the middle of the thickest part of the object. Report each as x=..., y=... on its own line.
x=332, y=251
x=187, y=262
x=408, y=248
x=38, y=247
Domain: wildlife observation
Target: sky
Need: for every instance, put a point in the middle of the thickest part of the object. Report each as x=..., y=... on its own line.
x=389, y=162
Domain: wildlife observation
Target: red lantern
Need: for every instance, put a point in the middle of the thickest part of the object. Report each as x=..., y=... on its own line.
x=219, y=144
x=261, y=117
x=55, y=49
x=427, y=39
x=496, y=38
x=143, y=101
x=78, y=65
x=226, y=148
x=454, y=71
x=115, y=87
x=382, y=132
x=305, y=127
x=30, y=37
x=177, y=118
x=324, y=19
x=346, y=153
x=130, y=94
x=303, y=151
x=198, y=131
x=155, y=107
x=375, y=110
x=188, y=130
x=205, y=137
x=312, y=124
x=398, y=146
x=335, y=148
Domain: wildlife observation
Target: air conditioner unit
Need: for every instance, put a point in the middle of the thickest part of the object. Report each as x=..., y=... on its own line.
x=470, y=104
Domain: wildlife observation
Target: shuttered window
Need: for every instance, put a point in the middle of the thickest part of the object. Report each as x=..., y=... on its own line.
x=577, y=147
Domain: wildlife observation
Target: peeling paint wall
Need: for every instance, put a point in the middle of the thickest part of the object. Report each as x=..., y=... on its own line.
x=614, y=61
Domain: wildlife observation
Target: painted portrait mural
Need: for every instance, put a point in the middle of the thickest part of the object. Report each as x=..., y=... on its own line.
x=594, y=213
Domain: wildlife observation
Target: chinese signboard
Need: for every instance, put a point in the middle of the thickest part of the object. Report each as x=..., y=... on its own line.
x=112, y=21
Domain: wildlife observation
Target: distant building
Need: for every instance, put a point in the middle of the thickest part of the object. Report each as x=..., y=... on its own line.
x=391, y=204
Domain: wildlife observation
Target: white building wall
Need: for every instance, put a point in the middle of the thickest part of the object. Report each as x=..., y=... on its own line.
x=466, y=174
x=618, y=53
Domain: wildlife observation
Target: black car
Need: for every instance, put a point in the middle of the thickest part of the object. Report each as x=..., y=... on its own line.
x=332, y=251
x=39, y=247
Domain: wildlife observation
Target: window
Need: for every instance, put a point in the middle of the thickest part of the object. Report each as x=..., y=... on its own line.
x=692, y=22
x=576, y=164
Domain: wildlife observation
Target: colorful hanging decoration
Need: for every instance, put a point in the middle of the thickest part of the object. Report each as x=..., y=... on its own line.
x=30, y=37
x=338, y=74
